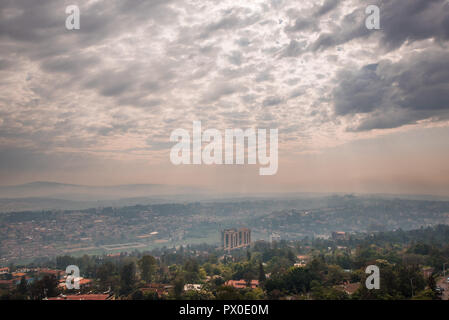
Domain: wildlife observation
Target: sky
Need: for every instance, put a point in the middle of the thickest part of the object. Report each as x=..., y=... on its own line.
x=357, y=110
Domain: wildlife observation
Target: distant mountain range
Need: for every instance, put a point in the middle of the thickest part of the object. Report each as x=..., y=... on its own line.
x=43, y=195
x=75, y=192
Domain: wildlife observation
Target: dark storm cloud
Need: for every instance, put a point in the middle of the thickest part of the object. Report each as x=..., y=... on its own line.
x=28, y=20
x=351, y=27
x=392, y=94
x=359, y=92
x=401, y=22
x=33, y=20
x=413, y=20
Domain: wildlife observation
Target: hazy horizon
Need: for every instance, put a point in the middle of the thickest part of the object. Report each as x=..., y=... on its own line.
x=23, y=191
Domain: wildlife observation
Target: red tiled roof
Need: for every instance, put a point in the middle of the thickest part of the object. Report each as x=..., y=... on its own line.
x=85, y=281
x=18, y=274
x=240, y=284
x=50, y=271
x=349, y=288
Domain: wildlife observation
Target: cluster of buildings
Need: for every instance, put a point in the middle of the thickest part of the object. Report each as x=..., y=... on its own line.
x=9, y=280
x=73, y=232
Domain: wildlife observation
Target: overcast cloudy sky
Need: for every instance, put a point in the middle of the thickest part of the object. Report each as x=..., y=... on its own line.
x=357, y=110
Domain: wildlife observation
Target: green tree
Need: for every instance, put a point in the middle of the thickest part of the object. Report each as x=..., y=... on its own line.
x=46, y=287
x=22, y=287
x=431, y=282
x=147, y=265
x=127, y=278
x=262, y=276
x=105, y=274
x=426, y=295
x=228, y=293
x=335, y=275
x=178, y=287
x=254, y=294
x=192, y=271
x=137, y=295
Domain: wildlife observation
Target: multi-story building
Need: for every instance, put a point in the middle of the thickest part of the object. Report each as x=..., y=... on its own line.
x=339, y=235
x=275, y=237
x=233, y=238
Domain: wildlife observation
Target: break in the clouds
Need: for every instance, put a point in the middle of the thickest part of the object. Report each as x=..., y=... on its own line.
x=115, y=89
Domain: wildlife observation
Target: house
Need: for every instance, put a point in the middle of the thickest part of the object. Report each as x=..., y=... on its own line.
x=50, y=272
x=427, y=272
x=302, y=260
x=17, y=275
x=349, y=288
x=191, y=286
x=84, y=283
x=241, y=284
x=4, y=270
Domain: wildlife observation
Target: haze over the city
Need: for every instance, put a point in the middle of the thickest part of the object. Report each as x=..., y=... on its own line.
x=357, y=110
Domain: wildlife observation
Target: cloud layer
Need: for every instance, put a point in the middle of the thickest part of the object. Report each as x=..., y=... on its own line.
x=115, y=89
